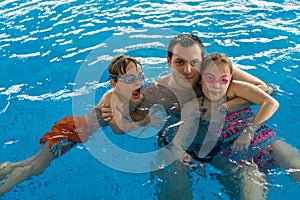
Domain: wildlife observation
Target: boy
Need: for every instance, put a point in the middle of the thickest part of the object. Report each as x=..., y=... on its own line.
x=127, y=80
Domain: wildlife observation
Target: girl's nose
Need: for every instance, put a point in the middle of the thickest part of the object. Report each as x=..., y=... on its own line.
x=216, y=85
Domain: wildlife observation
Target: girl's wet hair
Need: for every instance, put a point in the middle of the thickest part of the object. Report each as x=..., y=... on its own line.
x=217, y=59
x=119, y=63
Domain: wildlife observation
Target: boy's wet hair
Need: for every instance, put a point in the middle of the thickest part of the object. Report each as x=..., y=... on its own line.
x=216, y=58
x=119, y=63
x=185, y=40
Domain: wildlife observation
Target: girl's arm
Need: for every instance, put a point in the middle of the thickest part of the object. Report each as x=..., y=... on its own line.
x=240, y=103
x=267, y=104
x=267, y=107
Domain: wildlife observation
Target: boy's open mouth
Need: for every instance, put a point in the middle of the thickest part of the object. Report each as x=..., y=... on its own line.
x=136, y=94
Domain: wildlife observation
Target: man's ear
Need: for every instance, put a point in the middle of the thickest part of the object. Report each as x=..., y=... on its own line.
x=113, y=83
x=169, y=61
x=200, y=80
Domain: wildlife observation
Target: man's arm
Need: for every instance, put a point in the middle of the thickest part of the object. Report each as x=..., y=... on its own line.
x=138, y=113
x=152, y=95
x=240, y=75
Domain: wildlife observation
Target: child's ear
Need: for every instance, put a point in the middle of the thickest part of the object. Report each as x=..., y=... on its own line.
x=113, y=83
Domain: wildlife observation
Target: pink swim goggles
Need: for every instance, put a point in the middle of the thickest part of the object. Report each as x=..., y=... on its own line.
x=210, y=78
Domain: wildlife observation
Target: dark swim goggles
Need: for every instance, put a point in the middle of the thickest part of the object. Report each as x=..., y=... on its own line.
x=130, y=78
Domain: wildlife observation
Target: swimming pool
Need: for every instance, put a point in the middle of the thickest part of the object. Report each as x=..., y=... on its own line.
x=46, y=44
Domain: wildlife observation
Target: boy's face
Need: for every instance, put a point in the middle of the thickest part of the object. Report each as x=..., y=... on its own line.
x=215, y=81
x=131, y=90
x=185, y=65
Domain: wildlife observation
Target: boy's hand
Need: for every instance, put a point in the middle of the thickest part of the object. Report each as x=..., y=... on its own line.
x=106, y=112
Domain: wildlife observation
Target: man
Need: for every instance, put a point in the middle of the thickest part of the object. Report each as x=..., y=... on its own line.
x=185, y=55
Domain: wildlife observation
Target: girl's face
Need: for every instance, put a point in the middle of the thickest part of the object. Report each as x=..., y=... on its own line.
x=130, y=84
x=215, y=81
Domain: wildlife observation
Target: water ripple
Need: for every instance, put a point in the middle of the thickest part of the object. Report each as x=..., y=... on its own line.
x=44, y=43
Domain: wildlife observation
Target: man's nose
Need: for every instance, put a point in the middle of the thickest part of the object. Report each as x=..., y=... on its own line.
x=188, y=68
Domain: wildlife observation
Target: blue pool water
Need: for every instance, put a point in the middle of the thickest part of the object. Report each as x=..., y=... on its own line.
x=47, y=46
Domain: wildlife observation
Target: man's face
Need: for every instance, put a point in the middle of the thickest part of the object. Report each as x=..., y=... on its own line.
x=185, y=65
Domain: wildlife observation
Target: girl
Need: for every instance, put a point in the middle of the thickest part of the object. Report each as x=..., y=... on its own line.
x=237, y=141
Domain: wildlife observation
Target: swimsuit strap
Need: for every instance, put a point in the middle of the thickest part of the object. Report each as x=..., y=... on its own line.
x=202, y=102
x=226, y=98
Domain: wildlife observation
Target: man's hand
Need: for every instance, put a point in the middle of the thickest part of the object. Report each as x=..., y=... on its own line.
x=185, y=160
x=107, y=114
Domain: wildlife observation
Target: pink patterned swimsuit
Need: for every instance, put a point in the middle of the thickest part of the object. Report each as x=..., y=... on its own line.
x=260, y=149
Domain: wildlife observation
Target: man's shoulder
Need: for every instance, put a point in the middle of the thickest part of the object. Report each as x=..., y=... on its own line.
x=161, y=85
x=164, y=79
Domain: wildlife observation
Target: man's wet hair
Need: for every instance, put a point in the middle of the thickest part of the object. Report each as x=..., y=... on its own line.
x=185, y=40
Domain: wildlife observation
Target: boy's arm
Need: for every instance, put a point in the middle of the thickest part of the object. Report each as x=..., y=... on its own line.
x=153, y=94
x=118, y=124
